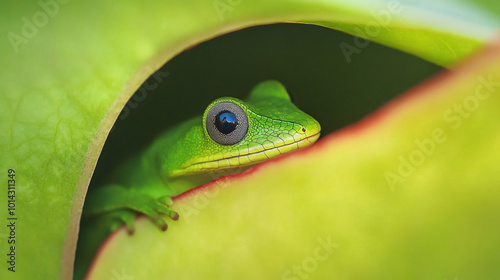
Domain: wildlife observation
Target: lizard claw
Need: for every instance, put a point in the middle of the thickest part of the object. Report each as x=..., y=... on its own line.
x=123, y=205
x=153, y=207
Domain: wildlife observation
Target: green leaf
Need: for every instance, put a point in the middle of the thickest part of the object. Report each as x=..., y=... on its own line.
x=70, y=66
x=408, y=193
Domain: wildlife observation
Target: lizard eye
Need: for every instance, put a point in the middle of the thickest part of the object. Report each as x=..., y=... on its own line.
x=227, y=123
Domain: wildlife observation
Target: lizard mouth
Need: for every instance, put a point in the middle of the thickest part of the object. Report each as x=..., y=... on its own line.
x=253, y=158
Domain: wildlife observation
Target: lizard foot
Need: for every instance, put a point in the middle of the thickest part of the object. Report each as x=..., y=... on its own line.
x=153, y=208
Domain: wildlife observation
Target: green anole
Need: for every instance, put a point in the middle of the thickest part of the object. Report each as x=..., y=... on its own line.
x=231, y=134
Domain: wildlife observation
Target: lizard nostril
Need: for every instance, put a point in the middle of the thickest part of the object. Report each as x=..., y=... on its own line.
x=303, y=130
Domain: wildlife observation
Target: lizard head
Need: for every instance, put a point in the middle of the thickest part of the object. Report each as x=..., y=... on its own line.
x=239, y=133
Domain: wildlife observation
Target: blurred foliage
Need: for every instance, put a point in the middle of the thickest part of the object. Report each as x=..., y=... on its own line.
x=307, y=59
x=410, y=192
x=69, y=67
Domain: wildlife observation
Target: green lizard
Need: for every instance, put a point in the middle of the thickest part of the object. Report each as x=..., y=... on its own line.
x=231, y=134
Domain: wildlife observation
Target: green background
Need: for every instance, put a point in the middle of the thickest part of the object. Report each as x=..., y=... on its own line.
x=307, y=59
x=64, y=85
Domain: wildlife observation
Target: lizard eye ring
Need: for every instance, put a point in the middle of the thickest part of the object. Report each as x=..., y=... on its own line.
x=226, y=123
